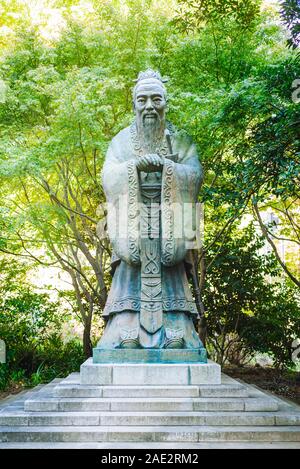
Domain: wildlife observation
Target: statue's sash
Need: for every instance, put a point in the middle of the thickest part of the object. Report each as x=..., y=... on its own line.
x=151, y=312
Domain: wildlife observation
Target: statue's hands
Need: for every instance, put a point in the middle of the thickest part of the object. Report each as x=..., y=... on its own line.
x=149, y=163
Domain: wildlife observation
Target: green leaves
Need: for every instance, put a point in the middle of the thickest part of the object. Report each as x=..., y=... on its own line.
x=197, y=14
x=263, y=316
x=230, y=87
x=290, y=12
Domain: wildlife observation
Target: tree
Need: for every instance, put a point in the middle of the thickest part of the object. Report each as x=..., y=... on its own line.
x=267, y=166
x=30, y=325
x=230, y=88
x=245, y=313
x=63, y=104
x=290, y=12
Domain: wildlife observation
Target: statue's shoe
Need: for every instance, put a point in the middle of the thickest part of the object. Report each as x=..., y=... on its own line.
x=174, y=343
x=130, y=343
x=174, y=338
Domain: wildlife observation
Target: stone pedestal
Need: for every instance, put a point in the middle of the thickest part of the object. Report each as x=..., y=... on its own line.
x=149, y=374
x=149, y=356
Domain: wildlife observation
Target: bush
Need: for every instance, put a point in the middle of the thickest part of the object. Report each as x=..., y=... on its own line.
x=249, y=307
x=30, y=325
x=275, y=325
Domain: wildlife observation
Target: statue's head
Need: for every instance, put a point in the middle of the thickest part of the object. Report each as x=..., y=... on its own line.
x=150, y=100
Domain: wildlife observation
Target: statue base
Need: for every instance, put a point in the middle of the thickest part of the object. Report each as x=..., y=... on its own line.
x=149, y=374
x=101, y=355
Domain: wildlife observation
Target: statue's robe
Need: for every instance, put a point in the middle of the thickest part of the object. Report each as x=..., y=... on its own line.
x=179, y=187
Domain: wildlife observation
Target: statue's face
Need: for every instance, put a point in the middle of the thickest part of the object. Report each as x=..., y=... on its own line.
x=150, y=103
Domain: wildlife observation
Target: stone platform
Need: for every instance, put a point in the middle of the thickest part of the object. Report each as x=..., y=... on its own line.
x=183, y=414
x=150, y=373
x=147, y=356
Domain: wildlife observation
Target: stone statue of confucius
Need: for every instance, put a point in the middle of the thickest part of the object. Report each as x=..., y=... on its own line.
x=149, y=169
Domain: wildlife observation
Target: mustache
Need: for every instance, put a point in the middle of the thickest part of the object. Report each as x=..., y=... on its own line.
x=151, y=120
x=150, y=113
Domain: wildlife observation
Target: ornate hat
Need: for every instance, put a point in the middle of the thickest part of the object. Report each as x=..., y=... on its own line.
x=149, y=73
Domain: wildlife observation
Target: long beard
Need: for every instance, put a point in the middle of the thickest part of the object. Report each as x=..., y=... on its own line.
x=151, y=132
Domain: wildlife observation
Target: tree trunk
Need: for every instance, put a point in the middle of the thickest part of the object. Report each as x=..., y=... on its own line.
x=87, y=344
x=202, y=325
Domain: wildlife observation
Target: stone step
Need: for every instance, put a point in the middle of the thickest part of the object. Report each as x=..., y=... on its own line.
x=152, y=445
x=147, y=434
x=78, y=391
x=17, y=418
x=43, y=404
x=74, y=378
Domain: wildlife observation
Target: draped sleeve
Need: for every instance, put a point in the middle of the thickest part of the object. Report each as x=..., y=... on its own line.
x=181, y=182
x=121, y=187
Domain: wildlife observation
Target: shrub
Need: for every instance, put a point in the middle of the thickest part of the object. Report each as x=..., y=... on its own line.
x=249, y=307
x=30, y=325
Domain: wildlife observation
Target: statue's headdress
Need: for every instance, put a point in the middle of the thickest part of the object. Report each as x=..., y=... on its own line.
x=148, y=75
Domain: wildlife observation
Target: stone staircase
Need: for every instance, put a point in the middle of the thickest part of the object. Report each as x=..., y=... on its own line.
x=70, y=414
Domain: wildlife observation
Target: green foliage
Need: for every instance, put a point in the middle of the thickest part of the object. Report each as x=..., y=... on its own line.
x=197, y=14
x=231, y=83
x=264, y=119
x=49, y=359
x=30, y=325
x=275, y=325
x=290, y=12
x=246, y=313
x=4, y=376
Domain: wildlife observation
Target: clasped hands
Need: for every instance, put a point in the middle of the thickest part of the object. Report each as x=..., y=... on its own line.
x=150, y=163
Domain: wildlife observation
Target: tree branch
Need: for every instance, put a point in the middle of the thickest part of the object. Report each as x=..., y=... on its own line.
x=272, y=244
